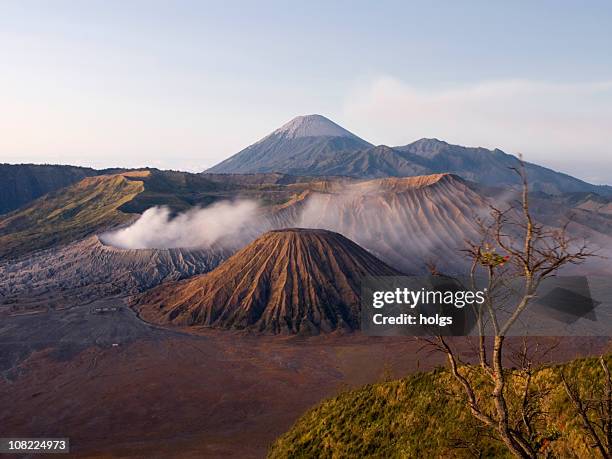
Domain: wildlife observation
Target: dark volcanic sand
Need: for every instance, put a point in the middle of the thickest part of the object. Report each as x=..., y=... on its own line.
x=164, y=393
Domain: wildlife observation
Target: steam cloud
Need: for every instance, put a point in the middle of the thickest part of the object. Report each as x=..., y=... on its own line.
x=224, y=224
x=401, y=231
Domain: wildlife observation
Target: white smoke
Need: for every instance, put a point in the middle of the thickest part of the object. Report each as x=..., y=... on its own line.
x=225, y=223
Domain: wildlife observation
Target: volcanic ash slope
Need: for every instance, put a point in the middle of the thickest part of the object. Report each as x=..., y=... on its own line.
x=287, y=281
x=88, y=270
x=406, y=222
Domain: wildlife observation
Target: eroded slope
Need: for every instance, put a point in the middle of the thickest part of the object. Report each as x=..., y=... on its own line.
x=286, y=281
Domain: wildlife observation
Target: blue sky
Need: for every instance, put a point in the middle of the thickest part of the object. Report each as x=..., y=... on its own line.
x=185, y=84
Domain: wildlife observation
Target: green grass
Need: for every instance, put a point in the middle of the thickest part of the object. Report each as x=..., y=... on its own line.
x=67, y=214
x=420, y=417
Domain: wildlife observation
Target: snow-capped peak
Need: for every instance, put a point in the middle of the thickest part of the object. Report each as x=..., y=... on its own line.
x=312, y=126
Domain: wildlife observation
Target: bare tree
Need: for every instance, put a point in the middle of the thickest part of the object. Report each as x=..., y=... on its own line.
x=595, y=410
x=512, y=249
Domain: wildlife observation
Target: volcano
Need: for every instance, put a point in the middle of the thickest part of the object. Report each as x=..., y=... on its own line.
x=407, y=222
x=290, y=281
x=89, y=270
x=303, y=140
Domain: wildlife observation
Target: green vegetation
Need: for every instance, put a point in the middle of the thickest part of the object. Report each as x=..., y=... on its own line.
x=177, y=190
x=68, y=214
x=22, y=183
x=422, y=416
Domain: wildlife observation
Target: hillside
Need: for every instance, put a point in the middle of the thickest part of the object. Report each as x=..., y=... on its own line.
x=69, y=214
x=104, y=201
x=88, y=270
x=22, y=183
x=417, y=417
x=286, y=281
x=372, y=162
x=181, y=191
x=406, y=222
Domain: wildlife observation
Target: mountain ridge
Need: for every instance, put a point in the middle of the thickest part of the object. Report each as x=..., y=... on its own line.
x=71, y=213
x=22, y=183
x=348, y=155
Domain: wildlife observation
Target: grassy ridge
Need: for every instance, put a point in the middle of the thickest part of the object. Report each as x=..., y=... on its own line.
x=22, y=183
x=68, y=214
x=179, y=191
x=100, y=202
x=418, y=417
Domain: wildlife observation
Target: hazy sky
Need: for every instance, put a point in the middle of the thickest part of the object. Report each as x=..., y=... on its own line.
x=181, y=84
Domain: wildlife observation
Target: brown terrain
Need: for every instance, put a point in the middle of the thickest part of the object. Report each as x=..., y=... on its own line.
x=76, y=361
x=89, y=270
x=286, y=281
x=405, y=222
x=209, y=393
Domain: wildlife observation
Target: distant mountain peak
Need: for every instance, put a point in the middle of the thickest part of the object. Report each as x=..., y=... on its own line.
x=429, y=144
x=312, y=126
x=430, y=141
x=426, y=147
x=304, y=140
